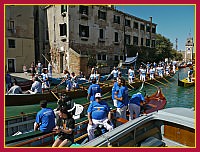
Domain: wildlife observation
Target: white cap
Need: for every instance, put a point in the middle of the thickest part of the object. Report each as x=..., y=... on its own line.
x=98, y=95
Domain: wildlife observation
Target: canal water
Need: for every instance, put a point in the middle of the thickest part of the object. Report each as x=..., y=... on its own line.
x=176, y=96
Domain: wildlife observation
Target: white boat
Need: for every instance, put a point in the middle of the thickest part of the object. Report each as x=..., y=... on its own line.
x=172, y=127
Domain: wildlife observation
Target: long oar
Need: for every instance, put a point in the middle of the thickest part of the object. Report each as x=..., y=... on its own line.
x=151, y=84
x=131, y=86
x=142, y=86
x=49, y=62
x=54, y=95
x=62, y=81
x=166, y=80
x=50, y=90
x=161, y=82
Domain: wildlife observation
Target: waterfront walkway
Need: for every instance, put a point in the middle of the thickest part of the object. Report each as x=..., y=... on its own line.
x=24, y=77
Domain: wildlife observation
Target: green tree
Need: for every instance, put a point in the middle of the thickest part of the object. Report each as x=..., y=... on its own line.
x=163, y=46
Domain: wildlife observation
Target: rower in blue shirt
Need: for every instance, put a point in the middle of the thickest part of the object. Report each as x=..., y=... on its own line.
x=98, y=113
x=122, y=99
x=115, y=90
x=45, y=119
x=92, y=90
x=135, y=104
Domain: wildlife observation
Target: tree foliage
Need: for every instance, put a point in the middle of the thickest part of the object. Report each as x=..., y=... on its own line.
x=164, y=49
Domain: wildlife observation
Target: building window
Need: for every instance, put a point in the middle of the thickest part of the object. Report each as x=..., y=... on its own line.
x=127, y=22
x=83, y=10
x=99, y=57
x=101, y=34
x=63, y=29
x=127, y=39
x=121, y=57
x=153, y=29
x=101, y=15
x=104, y=57
x=135, y=40
x=83, y=31
x=147, y=42
x=142, y=41
x=148, y=28
x=153, y=44
x=116, y=58
x=116, y=19
x=63, y=8
x=11, y=43
x=135, y=25
x=116, y=37
x=142, y=27
x=11, y=25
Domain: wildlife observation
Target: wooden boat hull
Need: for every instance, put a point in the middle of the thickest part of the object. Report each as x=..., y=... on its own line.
x=28, y=99
x=185, y=83
x=25, y=85
x=157, y=100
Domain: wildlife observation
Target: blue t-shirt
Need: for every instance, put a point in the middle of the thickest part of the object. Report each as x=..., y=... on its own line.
x=92, y=90
x=136, y=98
x=98, y=110
x=8, y=78
x=46, y=118
x=115, y=88
x=123, y=92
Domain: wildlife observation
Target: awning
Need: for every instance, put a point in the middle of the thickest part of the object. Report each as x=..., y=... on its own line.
x=130, y=60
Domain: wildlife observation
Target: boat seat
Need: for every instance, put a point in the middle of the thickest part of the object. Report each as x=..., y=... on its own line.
x=152, y=142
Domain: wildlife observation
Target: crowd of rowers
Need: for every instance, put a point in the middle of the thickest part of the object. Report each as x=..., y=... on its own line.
x=98, y=112
x=41, y=78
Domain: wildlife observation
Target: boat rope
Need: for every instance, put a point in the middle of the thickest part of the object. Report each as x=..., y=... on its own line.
x=161, y=82
x=151, y=84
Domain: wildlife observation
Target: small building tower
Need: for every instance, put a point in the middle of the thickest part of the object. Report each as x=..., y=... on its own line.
x=189, y=47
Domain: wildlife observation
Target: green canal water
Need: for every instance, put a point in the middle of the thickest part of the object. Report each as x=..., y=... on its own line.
x=176, y=96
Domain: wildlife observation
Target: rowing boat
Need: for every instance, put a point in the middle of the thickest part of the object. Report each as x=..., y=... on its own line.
x=29, y=99
x=185, y=82
x=37, y=139
x=25, y=85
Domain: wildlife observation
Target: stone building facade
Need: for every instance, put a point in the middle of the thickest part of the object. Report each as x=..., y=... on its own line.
x=77, y=32
x=19, y=37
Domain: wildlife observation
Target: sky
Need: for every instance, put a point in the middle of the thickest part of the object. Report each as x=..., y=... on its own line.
x=173, y=21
